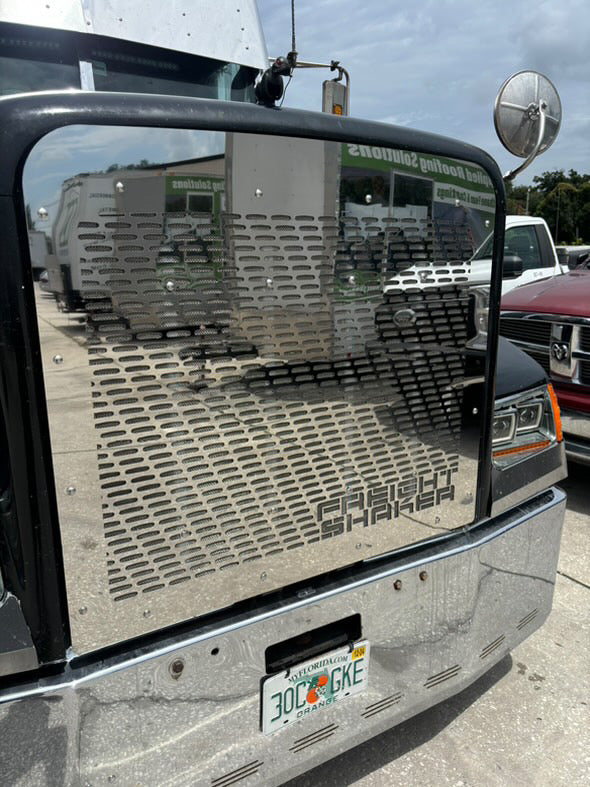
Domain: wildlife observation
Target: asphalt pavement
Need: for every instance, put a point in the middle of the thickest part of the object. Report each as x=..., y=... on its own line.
x=525, y=723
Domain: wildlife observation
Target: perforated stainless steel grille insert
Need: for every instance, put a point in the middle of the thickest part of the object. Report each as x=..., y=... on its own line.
x=211, y=456
x=255, y=394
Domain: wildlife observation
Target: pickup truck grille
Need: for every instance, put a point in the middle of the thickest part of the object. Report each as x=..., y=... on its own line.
x=532, y=336
x=584, y=372
x=584, y=368
x=585, y=339
x=526, y=331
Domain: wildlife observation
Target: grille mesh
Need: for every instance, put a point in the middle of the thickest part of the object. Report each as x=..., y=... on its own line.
x=528, y=331
x=585, y=372
x=585, y=339
x=242, y=379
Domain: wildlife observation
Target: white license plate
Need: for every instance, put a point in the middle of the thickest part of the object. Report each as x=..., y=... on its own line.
x=313, y=686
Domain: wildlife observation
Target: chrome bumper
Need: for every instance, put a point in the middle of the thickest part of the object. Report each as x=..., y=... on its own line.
x=576, y=430
x=461, y=607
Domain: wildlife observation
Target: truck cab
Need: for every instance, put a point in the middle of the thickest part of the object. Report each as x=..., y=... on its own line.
x=114, y=47
x=529, y=253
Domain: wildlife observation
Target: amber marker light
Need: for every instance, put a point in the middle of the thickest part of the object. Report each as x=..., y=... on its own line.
x=556, y=414
x=521, y=449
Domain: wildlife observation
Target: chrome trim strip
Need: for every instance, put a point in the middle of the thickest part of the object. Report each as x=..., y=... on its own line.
x=539, y=390
x=530, y=345
x=472, y=542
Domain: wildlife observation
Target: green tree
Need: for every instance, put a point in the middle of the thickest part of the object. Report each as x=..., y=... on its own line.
x=547, y=182
x=142, y=165
x=576, y=179
x=560, y=210
x=564, y=202
x=583, y=234
x=517, y=198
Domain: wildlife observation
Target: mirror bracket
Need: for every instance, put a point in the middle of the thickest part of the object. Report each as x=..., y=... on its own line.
x=534, y=111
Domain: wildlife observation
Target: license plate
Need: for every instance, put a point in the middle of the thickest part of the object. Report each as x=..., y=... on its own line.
x=311, y=687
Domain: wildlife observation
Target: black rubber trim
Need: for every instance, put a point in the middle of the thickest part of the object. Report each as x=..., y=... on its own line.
x=30, y=546
x=512, y=478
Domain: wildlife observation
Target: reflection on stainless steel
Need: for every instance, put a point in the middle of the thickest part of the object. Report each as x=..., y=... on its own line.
x=140, y=723
x=272, y=382
x=529, y=478
x=17, y=652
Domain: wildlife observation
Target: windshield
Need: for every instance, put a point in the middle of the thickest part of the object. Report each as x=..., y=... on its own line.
x=33, y=59
x=485, y=250
x=521, y=242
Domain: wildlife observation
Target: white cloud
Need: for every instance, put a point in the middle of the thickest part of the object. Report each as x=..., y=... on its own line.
x=437, y=65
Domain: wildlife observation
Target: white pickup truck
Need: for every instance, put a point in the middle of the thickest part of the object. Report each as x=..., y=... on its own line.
x=529, y=253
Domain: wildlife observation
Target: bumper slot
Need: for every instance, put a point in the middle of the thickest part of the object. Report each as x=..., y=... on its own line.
x=312, y=643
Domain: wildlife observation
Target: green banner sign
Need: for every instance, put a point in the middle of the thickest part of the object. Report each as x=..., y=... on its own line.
x=453, y=179
x=181, y=184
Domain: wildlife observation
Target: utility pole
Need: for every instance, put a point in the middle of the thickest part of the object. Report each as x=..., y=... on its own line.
x=557, y=216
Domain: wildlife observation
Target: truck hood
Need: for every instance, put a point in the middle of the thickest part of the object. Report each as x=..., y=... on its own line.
x=568, y=294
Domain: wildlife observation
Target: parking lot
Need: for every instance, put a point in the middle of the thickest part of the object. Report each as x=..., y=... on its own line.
x=526, y=722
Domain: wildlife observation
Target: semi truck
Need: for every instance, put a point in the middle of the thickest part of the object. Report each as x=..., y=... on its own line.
x=280, y=486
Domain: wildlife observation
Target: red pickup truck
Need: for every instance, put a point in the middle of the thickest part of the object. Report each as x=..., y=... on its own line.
x=550, y=320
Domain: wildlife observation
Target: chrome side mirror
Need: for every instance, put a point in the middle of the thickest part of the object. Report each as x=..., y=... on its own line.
x=527, y=116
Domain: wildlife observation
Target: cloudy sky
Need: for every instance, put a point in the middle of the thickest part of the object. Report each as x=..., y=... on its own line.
x=437, y=65
x=434, y=65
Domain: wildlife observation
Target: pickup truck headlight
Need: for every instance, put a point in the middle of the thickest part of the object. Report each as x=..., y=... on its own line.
x=525, y=424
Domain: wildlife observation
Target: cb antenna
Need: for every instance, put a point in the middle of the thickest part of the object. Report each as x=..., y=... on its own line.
x=270, y=88
x=292, y=56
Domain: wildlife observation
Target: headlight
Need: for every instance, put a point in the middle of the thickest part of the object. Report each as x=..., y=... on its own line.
x=480, y=306
x=525, y=424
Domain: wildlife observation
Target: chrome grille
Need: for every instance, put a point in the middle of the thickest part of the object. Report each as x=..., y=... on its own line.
x=253, y=402
x=541, y=357
x=211, y=457
x=260, y=414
